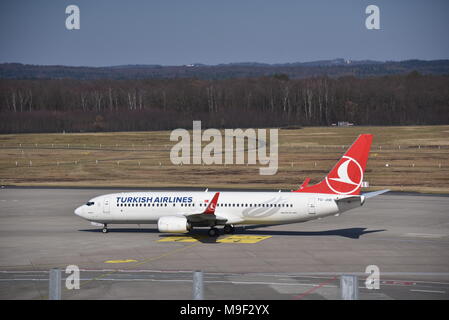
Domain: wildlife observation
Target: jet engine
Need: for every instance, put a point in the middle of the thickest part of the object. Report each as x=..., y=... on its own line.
x=173, y=224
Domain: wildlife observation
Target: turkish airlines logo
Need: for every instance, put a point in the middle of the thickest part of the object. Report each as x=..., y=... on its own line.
x=212, y=206
x=348, y=177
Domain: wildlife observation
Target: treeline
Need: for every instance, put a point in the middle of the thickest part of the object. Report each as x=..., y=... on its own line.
x=161, y=104
x=331, y=68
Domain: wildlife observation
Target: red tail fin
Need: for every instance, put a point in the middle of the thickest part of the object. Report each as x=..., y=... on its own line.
x=347, y=175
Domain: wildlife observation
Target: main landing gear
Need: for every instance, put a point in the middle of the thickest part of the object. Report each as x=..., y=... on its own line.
x=214, y=232
x=105, y=228
x=228, y=228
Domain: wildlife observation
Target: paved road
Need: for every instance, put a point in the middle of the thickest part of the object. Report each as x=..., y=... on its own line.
x=406, y=236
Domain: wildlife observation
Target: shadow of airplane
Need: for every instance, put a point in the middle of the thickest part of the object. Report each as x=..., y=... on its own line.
x=352, y=233
x=201, y=234
x=198, y=235
x=124, y=230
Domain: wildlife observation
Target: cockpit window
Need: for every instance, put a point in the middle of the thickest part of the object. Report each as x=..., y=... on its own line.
x=90, y=203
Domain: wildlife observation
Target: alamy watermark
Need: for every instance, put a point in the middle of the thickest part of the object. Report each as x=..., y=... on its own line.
x=372, y=22
x=72, y=22
x=72, y=281
x=226, y=148
x=373, y=280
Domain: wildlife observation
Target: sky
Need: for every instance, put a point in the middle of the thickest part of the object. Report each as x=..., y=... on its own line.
x=170, y=32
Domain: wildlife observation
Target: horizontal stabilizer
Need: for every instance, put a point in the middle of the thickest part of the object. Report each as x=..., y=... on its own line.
x=348, y=203
x=349, y=199
x=374, y=193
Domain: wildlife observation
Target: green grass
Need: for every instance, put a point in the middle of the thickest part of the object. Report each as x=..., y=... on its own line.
x=418, y=159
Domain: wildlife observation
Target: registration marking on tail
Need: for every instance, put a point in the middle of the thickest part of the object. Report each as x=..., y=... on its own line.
x=243, y=239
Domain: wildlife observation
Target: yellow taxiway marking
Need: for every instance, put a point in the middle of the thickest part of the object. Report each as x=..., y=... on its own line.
x=228, y=239
x=243, y=239
x=179, y=239
x=120, y=261
x=132, y=265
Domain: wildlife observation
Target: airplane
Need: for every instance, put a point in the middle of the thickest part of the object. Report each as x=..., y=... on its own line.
x=181, y=212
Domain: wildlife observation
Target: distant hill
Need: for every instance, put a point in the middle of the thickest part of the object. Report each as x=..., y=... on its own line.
x=298, y=70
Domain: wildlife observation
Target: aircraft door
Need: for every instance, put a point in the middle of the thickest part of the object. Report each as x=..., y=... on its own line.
x=311, y=205
x=106, y=208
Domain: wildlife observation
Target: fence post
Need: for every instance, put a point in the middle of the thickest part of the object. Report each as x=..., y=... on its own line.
x=54, y=287
x=349, y=286
x=198, y=285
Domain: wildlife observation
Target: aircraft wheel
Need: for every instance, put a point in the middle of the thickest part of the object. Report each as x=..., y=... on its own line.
x=213, y=232
x=105, y=229
x=228, y=228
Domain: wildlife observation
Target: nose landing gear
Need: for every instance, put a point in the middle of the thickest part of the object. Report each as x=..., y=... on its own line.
x=105, y=228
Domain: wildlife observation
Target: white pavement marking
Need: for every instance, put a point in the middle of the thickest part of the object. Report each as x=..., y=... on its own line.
x=428, y=291
x=425, y=235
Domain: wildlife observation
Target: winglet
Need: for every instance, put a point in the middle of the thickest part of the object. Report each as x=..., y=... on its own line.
x=212, y=205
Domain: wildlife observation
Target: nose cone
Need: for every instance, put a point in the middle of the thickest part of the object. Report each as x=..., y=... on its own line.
x=79, y=211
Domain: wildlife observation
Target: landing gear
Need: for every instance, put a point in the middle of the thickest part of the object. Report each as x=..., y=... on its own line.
x=105, y=228
x=228, y=228
x=213, y=232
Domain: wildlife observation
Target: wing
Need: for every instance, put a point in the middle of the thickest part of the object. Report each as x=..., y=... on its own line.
x=207, y=217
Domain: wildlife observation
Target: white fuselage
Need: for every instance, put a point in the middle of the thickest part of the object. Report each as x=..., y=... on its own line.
x=235, y=207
